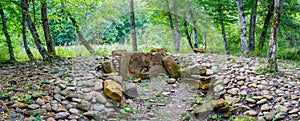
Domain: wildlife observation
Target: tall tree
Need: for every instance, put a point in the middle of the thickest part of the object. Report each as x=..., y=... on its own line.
x=188, y=37
x=266, y=26
x=27, y=50
x=32, y=28
x=48, y=38
x=272, y=62
x=252, y=26
x=194, y=27
x=223, y=27
x=171, y=23
x=132, y=21
x=8, y=40
x=243, y=26
x=177, y=34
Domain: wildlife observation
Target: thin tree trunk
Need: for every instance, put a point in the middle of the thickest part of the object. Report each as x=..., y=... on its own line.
x=204, y=37
x=243, y=26
x=272, y=62
x=177, y=34
x=8, y=40
x=48, y=38
x=34, y=13
x=132, y=21
x=223, y=27
x=33, y=31
x=171, y=23
x=266, y=26
x=28, y=52
x=194, y=28
x=80, y=36
x=188, y=37
x=252, y=26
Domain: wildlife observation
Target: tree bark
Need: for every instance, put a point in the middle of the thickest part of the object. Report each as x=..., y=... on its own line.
x=243, y=26
x=188, y=37
x=48, y=38
x=171, y=23
x=223, y=27
x=132, y=21
x=80, y=36
x=177, y=34
x=8, y=40
x=266, y=26
x=27, y=50
x=252, y=26
x=34, y=33
x=272, y=62
x=194, y=28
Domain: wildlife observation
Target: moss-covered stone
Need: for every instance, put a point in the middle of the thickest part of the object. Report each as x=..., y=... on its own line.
x=192, y=70
x=171, y=66
x=107, y=66
x=113, y=90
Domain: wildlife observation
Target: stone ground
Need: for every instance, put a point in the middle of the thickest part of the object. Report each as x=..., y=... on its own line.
x=70, y=90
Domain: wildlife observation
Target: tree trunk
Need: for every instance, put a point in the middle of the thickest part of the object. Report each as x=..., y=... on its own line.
x=243, y=26
x=8, y=40
x=266, y=26
x=223, y=27
x=48, y=38
x=34, y=13
x=272, y=62
x=28, y=52
x=252, y=26
x=177, y=34
x=194, y=28
x=80, y=36
x=171, y=23
x=133, y=33
x=33, y=31
x=188, y=37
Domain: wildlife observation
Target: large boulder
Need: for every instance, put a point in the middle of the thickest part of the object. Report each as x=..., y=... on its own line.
x=192, y=70
x=137, y=65
x=171, y=66
x=113, y=90
x=107, y=66
x=118, y=52
x=130, y=90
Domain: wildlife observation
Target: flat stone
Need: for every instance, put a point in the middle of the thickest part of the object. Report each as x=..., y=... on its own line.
x=62, y=115
x=40, y=101
x=99, y=107
x=295, y=110
x=100, y=98
x=233, y=91
x=33, y=106
x=74, y=111
x=271, y=115
x=98, y=86
x=250, y=113
x=218, y=88
x=84, y=105
x=265, y=107
x=262, y=101
x=241, y=78
x=250, y=100
x=209, y=72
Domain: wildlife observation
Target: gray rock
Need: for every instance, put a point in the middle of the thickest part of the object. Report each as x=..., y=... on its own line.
x=62, y=86
x=98, y=86
x=261, y=118
x=265, y=107
x=35, y=95
x=100, y=98
x=280, y=108
x=250, y=100
x=271, y=115
x=33, y=106
x=12, y=114
x=218, y=88
x=57, y=97
x=74, y=111
x=89, y=96
x=84, y=105
x=130, y=90
x=47, y=107
x=295, y=110
x=73, y=117
x=64, y=92
x=280, y=115
x=51, y=119
x=233, y=91
x=250, y=113
x=93, y=114
x=262, y=101
x=62, y=115
x=99, y=107
x=40, y=101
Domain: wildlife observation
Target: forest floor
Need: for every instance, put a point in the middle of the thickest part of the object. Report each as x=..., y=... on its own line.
x=52, y=91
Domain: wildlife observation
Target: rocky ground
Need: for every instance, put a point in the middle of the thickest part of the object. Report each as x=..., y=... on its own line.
x=71, y=90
